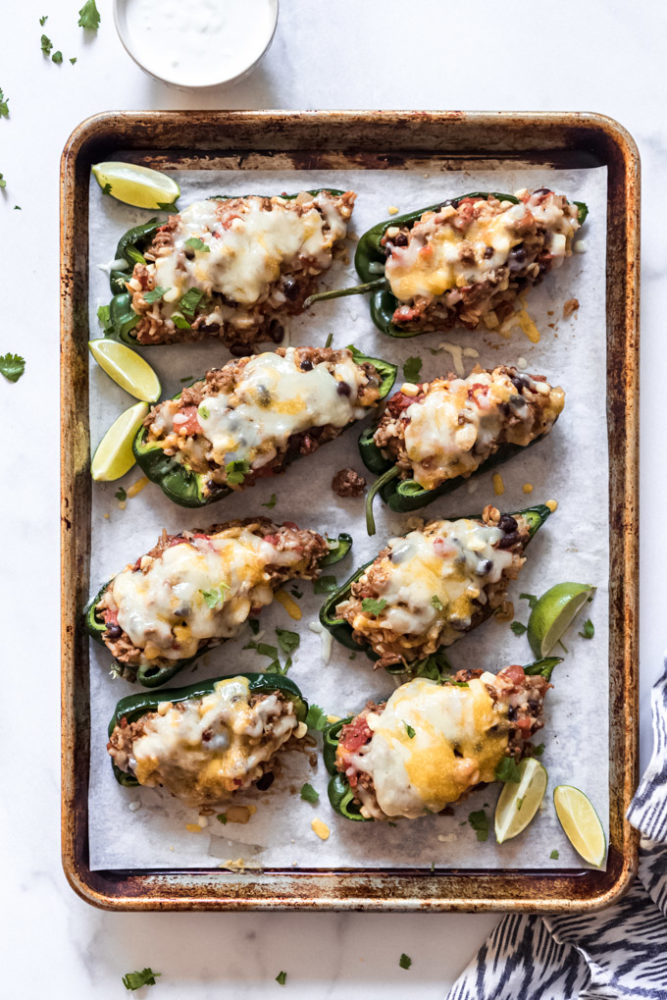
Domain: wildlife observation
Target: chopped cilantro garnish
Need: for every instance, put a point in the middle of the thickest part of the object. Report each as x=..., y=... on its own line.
x=329, y=341
x=457, y=684
x=264, y=649
x=43, y=20
x=107, y=188
x=73, y=60
x=4, y=102
x=254, y=625
x=3, y=182
x=316, y=718
x=308, y=794
x=120, y=494
x=46, y=45
x=215, y=597
x=411, y=369
x=135, y=980
x=57, y=57
x=288, y=641
x=518, y=628
x=531, y=598
x=17, y=208
x=507, y=770
x=190, y=301
x=194, y=243
x=587, y=629
x=281, y=978
x=409, y=730
x=188, y=378
x=180, y=322
x=271, y=502
x=205, y=413
x=405, y=961
x=104, y=317
x=538, y=750
x=325, y=584
x=437, y=603
x=12, y=366
x=373, y=606
x=89, y=16
x=222, y=818
x=155, y=295
x=479, y=821
x=235, y=472
x=554, y=855
x=295, y=592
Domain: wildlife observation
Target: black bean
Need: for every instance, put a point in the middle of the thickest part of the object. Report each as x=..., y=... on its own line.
x=519, y=381
x=507, y=523
x=511, y=713
x=507, y=541
x=401, y=240
x=290, y=287
x=114, y=631
x=265, y=781
x=306, y=365
x=343, y=389
x=489, y=252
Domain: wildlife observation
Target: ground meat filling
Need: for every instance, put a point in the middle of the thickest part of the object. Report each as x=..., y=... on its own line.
x=164, y=619
x=447, y=428
x=467, y=265
x=348, y=483
x=204, y=750
x=231, y=290
x=519, y=700
x=176, y=424
x=430, y=587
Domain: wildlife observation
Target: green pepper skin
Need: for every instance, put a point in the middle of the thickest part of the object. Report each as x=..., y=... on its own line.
x=136, y=705
x=341, y=629
x=122, y=317
x=369, y=259
x=341, y=795
x=404, y=495
x=187, y=488
x=152, y=676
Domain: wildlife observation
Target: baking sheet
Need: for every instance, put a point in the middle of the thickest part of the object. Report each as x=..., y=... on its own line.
x=145, y=828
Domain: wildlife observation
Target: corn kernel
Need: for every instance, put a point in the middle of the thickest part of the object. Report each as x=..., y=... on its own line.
x=498, y=484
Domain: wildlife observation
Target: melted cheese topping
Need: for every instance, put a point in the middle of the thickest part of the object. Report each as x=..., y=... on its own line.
x=203, y=588
x=274, y=400
x=461, y=422
x=460, y=735
x=245, y=246
x=432, y=577
x=207, y=748
x=440, y=256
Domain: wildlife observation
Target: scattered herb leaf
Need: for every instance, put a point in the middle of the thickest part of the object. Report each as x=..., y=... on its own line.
x=437, y=603
x=4, y=102
x=222, y=818
x=457, y=684
x=73, y=60
x=409, y=730
x=538, y=750
x=107, y=188
x=135, y=980
x=205, y=413
x=531, y=598
x=264, y=649
x=479, y=821
x=188, y=378
x=194, y=243
x=235, y=472
x=104, y=317
x=308, y=794
x=271, y=502
x=316, y=718
x=3, y=182
x=12, y=366
x=215, y=597
x=17, y=208
x=46, y=45
x=554, y=854
x=288, y=641
x=329, y=341
x=281, y=978
x=518, y=628
x=507, y=770
x=43, y=20
x=295, y=592
x=405, y=961
x=120, y=494
x=587, y=629
x=254, y=625
x=180, y=322
x=57, y=57
x=188, y=304
x=325, y=584
x=89, y=16
x=411, y=369
x=155, y=295
x=373, y=606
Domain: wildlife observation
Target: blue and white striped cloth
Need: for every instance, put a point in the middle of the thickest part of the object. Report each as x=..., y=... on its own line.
x=616, y=954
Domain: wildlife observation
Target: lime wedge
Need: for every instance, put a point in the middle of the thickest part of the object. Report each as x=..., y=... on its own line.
x=519, y=801
x=135, y=185
x=554, y=613
x=581, y=824
x=114, y=456
x=127, y=369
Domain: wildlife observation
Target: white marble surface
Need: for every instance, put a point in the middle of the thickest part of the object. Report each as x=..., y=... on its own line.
x=602, y=56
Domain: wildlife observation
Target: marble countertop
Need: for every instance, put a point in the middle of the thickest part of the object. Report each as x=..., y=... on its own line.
x=602, y=57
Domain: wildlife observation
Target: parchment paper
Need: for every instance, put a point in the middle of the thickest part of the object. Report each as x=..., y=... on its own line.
x=145, y=828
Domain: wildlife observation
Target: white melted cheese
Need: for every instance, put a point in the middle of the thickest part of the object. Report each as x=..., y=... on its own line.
x=274, y=400
x=245, y=246
x=459, y=738
x=209, y=747
x=431, y=263
x=434, y=575
x=163, y=609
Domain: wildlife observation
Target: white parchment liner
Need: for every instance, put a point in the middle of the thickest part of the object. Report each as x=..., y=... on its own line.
x=145, y=828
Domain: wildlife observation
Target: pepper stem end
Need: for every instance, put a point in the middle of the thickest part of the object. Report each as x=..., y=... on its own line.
x=338, y=293
x=390, y=474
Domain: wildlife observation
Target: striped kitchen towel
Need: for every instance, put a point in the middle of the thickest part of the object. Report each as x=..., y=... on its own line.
x=615, y=954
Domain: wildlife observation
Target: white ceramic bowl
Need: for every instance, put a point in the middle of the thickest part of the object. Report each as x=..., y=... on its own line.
x=186, y=43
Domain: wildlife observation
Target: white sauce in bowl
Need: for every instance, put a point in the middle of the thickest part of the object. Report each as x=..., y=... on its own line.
x=196, y=43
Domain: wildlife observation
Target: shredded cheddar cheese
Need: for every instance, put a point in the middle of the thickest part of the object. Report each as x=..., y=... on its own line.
x=498, y=484
x=289, y=604
x=320, y=828
x=137, y=487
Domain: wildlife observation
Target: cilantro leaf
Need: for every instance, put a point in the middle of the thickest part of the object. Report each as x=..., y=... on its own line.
x=271, y=502
x=73, y=60
x=3, y=182
x=104, y=318
x=204, y=411
x=57, y=57
x=215, y=597
x=235, y=472
x=190, y=301
x=4, y=109
x=538, y=750
x=222, y=818
x=325, y=584
x=531, y=598
x=587, y=629
x=12, y=366
x=405, y=961
x=89, y=16
x=288, y=641
x=43, y=20
x=554, y=854
x=17, y=208
x=254, y=625
x=316, y=718
x=180, y=322
x=518, y=628
x=135, y=980
x=508, y=770
x=194, y=243
x=437, y=603
x=479, y=821
x=409, y=730
x=155, y=295
x=264, y=649
x=107, y=188
x=46, y=45
x=281, y=978
x=308, y=794
x=411, y=369
x=120, y=494
x=373, y=606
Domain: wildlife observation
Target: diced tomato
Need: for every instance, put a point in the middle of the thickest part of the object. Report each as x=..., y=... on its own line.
x=191, y=424
x=400, y=402
x=355, y=734
x=110, y=617
x=514, y=673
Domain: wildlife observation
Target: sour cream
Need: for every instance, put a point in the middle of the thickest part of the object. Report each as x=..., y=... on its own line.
x=196, y=43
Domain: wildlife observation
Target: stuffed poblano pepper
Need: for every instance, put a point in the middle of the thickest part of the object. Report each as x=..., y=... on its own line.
x=251, y=418
x=428, y=588
x=463, y=262
x=433, y=435
x=225, y=267
x=196, y=589
x=205, y=742
x=431, y=742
